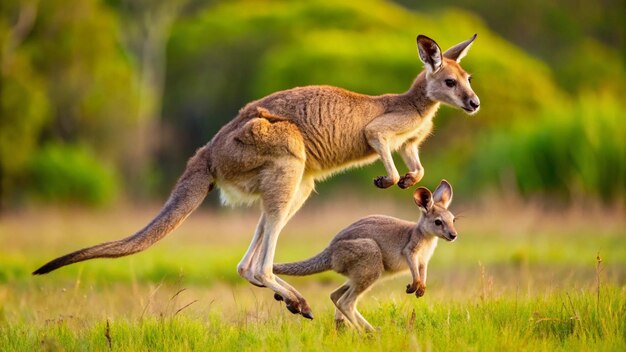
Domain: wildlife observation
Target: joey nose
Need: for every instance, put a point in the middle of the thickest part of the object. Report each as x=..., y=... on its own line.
x=471, y=104
x=452, y=236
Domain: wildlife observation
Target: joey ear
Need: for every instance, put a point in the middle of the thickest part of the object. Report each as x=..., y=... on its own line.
x=423, y=198
x=429, y=52
x=443, y=194
x=459, y=51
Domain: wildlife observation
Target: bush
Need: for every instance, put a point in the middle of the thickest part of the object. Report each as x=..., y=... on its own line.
x=71, y=174
x=577, y=150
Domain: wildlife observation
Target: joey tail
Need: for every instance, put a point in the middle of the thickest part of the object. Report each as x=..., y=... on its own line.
x=316, y=264
x=188, y=193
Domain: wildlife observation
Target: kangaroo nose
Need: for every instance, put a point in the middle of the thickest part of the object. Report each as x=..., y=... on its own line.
x=474, y=103
x=452, y=236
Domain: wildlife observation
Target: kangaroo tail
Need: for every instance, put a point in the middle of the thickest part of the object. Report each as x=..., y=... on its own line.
x=313, y=265
x=190, y=190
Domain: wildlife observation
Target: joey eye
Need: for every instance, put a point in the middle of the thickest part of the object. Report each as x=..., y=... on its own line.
x=438, y=222
x=450, y=83
x=469, y=79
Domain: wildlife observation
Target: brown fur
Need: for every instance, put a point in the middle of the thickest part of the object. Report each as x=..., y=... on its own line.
x=380, y=244
x=278, y=146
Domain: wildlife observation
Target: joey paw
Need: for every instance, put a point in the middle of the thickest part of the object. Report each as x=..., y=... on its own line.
x=411, y=288
x=421, y=289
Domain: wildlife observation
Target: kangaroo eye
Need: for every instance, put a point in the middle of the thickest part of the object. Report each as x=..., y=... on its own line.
x=438, y=222
x=469, y=79
x=450, y=83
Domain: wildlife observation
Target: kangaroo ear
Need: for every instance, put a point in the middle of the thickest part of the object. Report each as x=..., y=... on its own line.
x=443, y=194
x=429, y=53
x=423, y=198
x=459, y=51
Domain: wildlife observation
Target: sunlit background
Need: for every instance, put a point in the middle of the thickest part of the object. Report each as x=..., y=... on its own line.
x=103, y=101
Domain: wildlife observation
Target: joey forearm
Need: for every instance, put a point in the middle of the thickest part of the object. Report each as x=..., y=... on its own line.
x=413, y=267
x=418, y=273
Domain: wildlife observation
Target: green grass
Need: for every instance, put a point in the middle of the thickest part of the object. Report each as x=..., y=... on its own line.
x=563, y=321
x=526, y=281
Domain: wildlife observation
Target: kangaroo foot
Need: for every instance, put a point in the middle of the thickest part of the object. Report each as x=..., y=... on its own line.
x=296, y=307
x=247, y=274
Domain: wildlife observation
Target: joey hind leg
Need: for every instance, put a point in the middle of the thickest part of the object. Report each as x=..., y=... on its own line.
x=335, y=296
x=361, y=261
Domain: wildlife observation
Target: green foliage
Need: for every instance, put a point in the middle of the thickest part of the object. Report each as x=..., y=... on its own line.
x=90, y=80
x=75, y=76
x=573, y=151
x=64, y=78
x=66, y=174
x=24, y=109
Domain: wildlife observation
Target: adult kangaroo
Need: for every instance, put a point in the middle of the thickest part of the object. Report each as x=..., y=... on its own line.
x=278, y=146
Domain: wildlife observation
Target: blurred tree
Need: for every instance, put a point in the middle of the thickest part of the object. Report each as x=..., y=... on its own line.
x=23, y=102
x=62, y=59
x=146, y=26
x=90, y=80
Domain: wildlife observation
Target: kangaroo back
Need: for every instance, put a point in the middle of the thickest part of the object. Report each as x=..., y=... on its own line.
x=316, y=264
x=190, y=190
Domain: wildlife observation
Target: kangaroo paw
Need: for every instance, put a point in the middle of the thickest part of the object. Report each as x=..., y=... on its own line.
x=383, y=182
x=407, y=181
x=410, y=179
x=411, y=288
x=278, y=297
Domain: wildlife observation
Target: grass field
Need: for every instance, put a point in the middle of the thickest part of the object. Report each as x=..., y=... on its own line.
x=518, y=278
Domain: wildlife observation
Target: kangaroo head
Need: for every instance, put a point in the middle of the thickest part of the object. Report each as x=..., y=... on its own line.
x=446, y=81
x=436, y=219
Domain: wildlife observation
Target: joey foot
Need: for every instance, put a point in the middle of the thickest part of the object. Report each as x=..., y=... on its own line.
x=340, y=324
x=410, y=179
x=384, y=182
